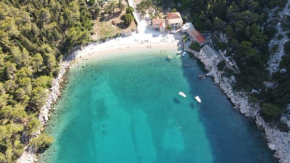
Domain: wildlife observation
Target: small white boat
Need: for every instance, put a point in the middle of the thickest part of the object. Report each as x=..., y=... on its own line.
x=183, y=54
x=197, y=99
x=169, y=57
x=182, y=94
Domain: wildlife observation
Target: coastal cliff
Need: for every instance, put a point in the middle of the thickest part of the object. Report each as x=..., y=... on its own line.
x=277, y=140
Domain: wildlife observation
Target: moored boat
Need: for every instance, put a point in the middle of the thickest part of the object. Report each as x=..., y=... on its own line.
x=183, y=53
x=197, y=99
x=182, y=94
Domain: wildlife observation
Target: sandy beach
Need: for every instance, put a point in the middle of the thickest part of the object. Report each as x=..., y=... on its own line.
x=129, y=44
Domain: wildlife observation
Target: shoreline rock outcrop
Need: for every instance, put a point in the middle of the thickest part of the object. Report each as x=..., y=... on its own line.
x=277, y=140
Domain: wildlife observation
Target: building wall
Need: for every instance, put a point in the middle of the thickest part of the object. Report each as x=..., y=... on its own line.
x=155, y=26
x=176, y=25
x=204, y=59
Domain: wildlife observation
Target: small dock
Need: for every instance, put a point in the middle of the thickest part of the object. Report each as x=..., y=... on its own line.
x=202, y=76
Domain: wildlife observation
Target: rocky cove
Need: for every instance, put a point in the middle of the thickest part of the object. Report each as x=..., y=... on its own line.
x=278, y=140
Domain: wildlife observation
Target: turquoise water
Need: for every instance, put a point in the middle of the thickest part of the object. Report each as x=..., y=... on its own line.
x=127, y=110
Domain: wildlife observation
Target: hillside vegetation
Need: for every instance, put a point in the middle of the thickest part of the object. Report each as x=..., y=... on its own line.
x=34, y=36
x=248, y=31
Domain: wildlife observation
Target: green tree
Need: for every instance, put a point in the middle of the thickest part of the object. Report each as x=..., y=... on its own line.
x=91, y=2
x=43, y=81
x=129, y=10
x=143, y=12
x=37, y=62
x=128, y=18
x=39, y=96
x=42, y=141
x=33, y=125
x=219, y=25
x=121, y=5
x=112, y=6
x=195, y=46
x=33, y=39
x=287, y=48
x=44, y=16
x=221, y=65
x=271, y=111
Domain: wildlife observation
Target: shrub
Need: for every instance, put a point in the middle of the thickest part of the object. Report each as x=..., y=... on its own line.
x=121, y=6
x=271, y=112
x=222, y=46
x=128, y=18
x=91, y=2
x=288, y=34
x=195, y=46
x=287, y=47
x=221, y=65
x=253, y=99
x=41, y=142
x=129, y=10
x=280, y=37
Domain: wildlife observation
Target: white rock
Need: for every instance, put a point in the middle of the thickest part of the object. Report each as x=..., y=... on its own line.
x=271, y=146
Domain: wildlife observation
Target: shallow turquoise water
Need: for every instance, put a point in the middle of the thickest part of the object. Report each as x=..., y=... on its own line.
x=127, y=110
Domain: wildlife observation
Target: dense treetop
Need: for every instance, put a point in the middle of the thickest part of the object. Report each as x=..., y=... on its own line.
x=34, y=35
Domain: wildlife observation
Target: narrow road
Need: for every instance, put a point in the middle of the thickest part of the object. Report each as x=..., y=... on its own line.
x=141, y=24
x=135, y=13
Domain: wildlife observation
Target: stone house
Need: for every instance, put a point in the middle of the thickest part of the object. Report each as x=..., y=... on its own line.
x=208, y=55
x=159, y=24
x=174, y=20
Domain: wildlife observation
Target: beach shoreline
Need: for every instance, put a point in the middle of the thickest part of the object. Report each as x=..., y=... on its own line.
x=119, y=45
x=275, y=138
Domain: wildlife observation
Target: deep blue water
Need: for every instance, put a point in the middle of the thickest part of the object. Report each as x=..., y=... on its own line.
x=127, y=110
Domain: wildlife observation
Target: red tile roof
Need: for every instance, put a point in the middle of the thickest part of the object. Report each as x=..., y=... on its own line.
x=194, y=33
x=173, y=15
x=158, y=21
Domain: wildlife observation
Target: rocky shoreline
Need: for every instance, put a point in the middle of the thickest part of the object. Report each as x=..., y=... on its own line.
x=29, y=155
x=277, y=140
